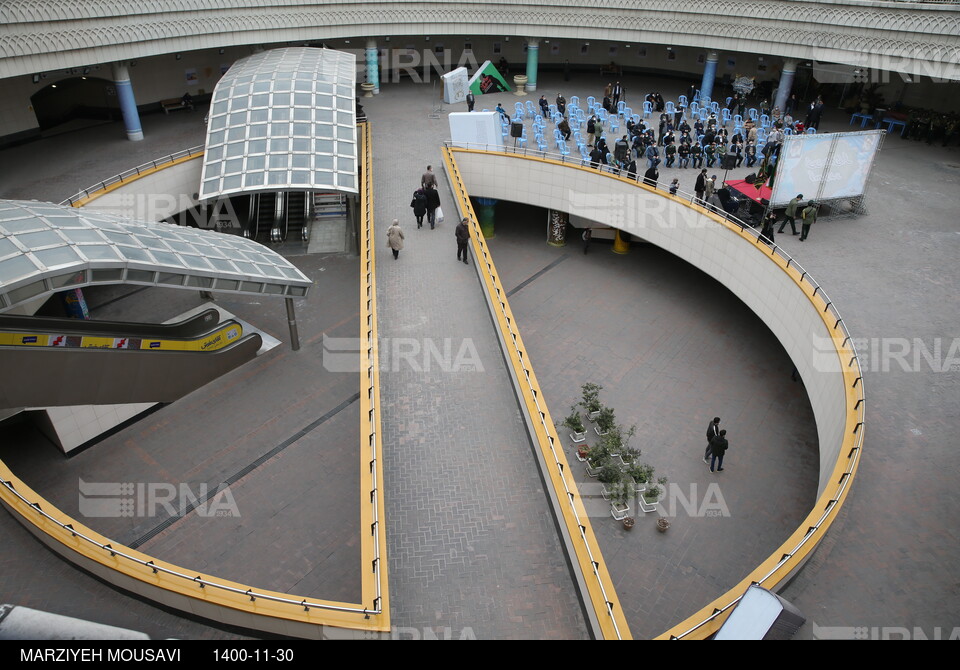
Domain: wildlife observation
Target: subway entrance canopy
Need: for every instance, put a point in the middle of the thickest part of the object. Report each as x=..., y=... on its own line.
x=283, y=119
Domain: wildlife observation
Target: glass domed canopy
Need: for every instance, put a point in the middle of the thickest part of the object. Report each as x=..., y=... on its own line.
x=45, y=248
x=283, y=119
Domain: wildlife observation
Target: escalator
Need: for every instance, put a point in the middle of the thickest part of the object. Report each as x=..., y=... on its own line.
x=51, y=362
x=298, y=216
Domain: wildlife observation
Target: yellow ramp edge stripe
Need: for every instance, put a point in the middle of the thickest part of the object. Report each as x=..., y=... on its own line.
x=373, y=529
x=600, y=589
x=791, y=555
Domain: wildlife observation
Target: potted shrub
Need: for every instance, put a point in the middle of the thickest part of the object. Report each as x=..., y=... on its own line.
x=605, y=421
x=620, y=493
x=590, y=400
x=575, y=423
x=609, y=475
x=641, y=474
x=597, y=457
x=629, y=456
x=650, y=498
x=582, y=452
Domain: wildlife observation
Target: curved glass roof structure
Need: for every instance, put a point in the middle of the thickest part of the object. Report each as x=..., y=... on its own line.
x=283, y=119
x=46, y=248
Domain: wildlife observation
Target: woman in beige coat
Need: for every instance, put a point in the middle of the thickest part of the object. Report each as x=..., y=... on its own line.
x=395, y=238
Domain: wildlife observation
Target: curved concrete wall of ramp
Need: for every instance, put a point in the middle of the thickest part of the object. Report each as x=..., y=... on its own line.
x=154, y=195
x=691, y=234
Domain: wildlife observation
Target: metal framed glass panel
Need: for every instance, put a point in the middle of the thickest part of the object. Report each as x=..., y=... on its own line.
x=275, y=113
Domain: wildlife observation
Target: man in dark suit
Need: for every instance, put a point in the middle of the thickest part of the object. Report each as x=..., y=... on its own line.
x=718, y=447
x=713, y=429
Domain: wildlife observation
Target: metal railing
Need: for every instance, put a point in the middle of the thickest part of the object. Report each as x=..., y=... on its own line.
x=369, y=366
x=558, y=465
x=855, y=414
x=133, y=173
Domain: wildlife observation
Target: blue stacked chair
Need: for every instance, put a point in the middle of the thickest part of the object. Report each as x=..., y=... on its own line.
x=553, y=110
x=726, y=102
x=694, y=109
x=522, y=140
x=764, y=121
x=683, y=102
x=715, y=106
x=614, y=124
x=557, y=135
x=562, y=148
x=647, y=109
x=531, y=110
x=628, y=112
x=725, y=116
x=574, y=101
x=788, y=131
x=519, y=111
x=752, y=113
x=591, y=104
x=811, y=131
x=671, y=108
x=737, y=120
x=621, y=105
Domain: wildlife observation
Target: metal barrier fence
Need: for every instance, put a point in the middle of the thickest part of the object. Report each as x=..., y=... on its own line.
x=133, y=173
x=790, y=559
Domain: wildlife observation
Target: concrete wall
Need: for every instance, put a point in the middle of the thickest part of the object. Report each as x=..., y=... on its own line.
x=738, y=263
x=155, y=196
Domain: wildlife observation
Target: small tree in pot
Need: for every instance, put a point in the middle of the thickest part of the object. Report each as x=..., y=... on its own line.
x=605, y=421
x=590, y=399
x=575, y=423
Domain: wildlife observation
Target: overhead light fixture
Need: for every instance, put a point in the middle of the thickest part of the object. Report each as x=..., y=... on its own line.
x=387, y=38
x=179, y=56
x=221, y=51
x=53, y=85
x=36, y=79
x=506, y=39
x=346, y=41
x=86, y=70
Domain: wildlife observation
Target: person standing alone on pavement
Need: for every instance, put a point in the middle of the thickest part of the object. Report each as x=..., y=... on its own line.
x=395, y=238
x=713, y=429
x=587, y=234
x=463, y=237
x=718, y=447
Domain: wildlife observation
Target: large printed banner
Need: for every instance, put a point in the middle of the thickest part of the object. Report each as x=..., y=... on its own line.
x=824, y=167
x=487, y=79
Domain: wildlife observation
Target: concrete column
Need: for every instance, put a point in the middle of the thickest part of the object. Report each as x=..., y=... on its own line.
x=709, y=75
x=621, y=245
x=533, y=58
x=557, y=227
x=786, y=83
x=128, y=104
x=373, y=65
x=485, y=215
